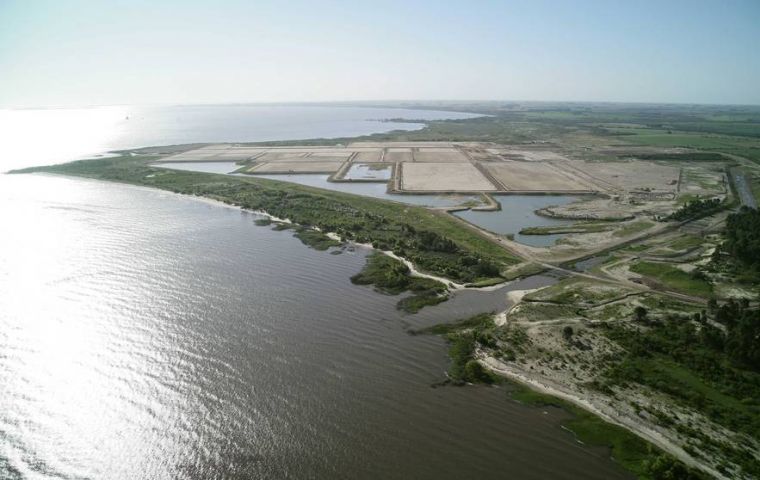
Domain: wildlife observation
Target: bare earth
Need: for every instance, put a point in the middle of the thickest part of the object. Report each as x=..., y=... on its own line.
x=455, y=177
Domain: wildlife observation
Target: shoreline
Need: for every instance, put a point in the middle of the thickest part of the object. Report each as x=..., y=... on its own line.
x=595, y=406
x=413, y=271
x=533, y=383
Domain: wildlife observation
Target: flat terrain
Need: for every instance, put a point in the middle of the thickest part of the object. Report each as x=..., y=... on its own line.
x=632, y=175
x=314, y=166
x=450, y=177
x=438, y=155
x=535, y=176
x=525, y=169
x=651, y=331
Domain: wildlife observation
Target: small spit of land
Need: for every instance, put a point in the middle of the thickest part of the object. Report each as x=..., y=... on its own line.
x=651, y=337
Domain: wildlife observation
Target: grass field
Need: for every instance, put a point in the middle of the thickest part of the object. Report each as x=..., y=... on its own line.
x=674, y=278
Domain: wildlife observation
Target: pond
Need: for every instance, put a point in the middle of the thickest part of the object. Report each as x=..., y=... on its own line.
x=369, y=171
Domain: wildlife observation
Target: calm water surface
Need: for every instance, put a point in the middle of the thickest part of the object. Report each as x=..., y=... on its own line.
x=43, y=136
x=363, y=171
x=145, y=335
x=149, y=335
x=518, y=212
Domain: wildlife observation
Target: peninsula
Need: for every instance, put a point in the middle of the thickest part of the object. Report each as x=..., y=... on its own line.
x=650, y=336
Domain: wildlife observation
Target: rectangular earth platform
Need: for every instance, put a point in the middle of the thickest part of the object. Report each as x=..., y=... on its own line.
x=332, y=155
x=296, y=167
x=633, y=174
x=439, y=155
x=216, y=153
x=371, y=156
x=534, y=176
x=282, y=157
x=527, y=155
x=396, y=156
x=438, y=177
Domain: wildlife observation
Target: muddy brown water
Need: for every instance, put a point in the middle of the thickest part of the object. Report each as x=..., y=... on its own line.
x=154, y=336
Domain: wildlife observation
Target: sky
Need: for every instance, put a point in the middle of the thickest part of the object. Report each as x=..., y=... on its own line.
x=106, y=52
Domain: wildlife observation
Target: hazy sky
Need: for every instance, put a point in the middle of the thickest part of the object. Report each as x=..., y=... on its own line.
x=78, y=52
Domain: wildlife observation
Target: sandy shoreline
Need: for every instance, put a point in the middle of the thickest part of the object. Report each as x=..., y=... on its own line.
x=597, y=405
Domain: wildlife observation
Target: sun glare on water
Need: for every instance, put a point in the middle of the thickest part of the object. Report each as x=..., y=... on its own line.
x=44, y=136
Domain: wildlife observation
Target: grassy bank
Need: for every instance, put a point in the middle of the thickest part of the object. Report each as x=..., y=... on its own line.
x=463, y=338
x=589, y=227
x=713, y=370
x=314, y=239
x=674, y=278
x=431, y=240
x=632, y=452
x=479, y=332
x=392, y=277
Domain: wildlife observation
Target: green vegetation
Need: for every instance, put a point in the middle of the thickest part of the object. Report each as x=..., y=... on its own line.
x=715, y=371
x=575, y=291
x=522, y=270
x=263, y=222
x=535, y=311
x=425, y=298
x=632, y=228
x=685, y=242
x=696, y=209
x=314, y=239
x=632, y=452
x=694, y=283
x=731, y=130
x=489, y=282
x=581, y=227
x=743, y=238
x=463, y=337
x=392, y=277
x=679, y=157
x=698, y=363
x=432, y=240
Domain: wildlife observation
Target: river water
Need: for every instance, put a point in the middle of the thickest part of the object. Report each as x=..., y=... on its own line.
x=146, y=335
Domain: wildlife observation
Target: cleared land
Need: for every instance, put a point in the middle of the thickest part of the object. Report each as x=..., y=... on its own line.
x=369, y=157
x=439, y=155
x=612, y=170
x=535, y=176
x=296, y=167
x=395, y=156
x=633, y=175
x=454, y=177
x=529, y=155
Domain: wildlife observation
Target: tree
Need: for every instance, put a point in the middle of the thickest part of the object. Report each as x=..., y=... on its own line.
x=640, y=313
x=712, y=305
x=567, y=332
x=475, y=373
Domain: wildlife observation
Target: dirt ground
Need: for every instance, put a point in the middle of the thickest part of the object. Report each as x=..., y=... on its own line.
x=296, y=167
x=396, y=156
x=632, y=175
x=461, y=177
x=535, y=176
x=491, y=167
x=371, y=156
x=439, y=155
x=529, y=155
